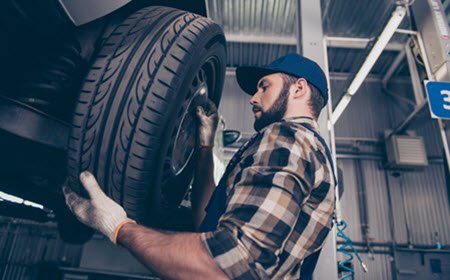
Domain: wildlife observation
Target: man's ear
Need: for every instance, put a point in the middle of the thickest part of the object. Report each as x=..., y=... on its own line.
x=301, y=88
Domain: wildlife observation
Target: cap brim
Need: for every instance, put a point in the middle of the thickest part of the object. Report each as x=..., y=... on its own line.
x=248, y=77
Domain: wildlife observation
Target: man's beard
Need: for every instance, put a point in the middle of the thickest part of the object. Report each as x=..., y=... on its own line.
x=275, y=113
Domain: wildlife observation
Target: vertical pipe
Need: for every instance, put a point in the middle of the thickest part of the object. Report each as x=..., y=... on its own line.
x=405, y=212
x=297, y=26
x=444, y=141
x=362, y=199
x=391, y=224
x=332, y=135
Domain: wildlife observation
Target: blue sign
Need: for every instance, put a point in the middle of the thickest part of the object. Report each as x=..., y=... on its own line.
x=438, y=99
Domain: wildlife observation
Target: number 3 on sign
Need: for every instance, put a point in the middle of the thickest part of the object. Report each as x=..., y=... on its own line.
x=446, y=95
x=438, y=99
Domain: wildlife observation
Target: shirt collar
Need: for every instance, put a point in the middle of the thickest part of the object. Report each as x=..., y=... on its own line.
x=303, y=119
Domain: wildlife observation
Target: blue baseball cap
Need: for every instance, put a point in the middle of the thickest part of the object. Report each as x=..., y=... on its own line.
x=292, y=64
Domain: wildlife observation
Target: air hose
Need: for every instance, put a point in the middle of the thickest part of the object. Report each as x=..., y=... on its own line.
x=348, y=250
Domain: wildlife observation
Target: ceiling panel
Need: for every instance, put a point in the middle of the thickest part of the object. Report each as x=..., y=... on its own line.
x=258, y=31
x=357, y=18
x=254, y=17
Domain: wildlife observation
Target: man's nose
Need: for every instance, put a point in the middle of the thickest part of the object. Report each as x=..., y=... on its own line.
x=254, y=99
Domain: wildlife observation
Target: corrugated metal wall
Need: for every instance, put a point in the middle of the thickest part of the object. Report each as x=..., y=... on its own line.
x=379, y=267
x=235, y=106
x=255, y=53
x=405, y=207
x=420, y=197
x=343, y=60
x=377, y=200
x=268, y=17
x=25, y=246
x=367, y=115
x=353, y=18
x=422, y=124
x=420, y=211
x=426, y=204
x=245, y=22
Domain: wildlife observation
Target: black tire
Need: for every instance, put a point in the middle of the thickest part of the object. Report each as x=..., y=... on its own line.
x=139, y=97
x=69, y=228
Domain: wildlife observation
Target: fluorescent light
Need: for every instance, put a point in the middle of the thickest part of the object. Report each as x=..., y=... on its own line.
x=33, y=204
x=380, y=45
x=386, y=35
x=18, y=200
x=11, y=198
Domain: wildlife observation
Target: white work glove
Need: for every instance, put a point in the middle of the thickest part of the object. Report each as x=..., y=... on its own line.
x=98, y=211
x=207, y=124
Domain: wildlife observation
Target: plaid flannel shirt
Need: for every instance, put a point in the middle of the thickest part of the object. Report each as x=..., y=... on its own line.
x=280, y=204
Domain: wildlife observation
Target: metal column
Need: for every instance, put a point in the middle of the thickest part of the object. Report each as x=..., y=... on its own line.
x=433, y=78
x=311, y=44
x=434, y=44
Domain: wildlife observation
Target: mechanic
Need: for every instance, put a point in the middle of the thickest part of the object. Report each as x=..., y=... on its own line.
x=272, y=210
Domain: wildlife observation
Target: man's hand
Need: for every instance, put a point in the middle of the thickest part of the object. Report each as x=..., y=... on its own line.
x=207, y=124
x=99, y=211
x=173, y=256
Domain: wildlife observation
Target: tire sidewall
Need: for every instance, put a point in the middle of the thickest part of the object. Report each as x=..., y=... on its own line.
x=218, y=50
